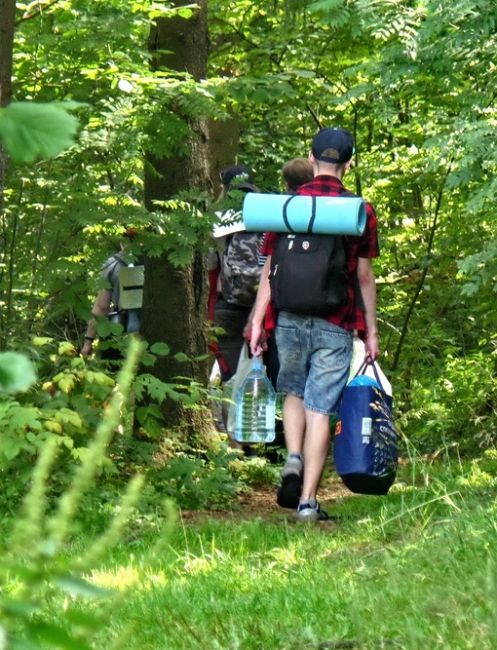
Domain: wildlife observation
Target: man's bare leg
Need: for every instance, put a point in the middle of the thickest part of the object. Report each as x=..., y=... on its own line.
x=294, y=421
x=291, y=477
x=315, y=448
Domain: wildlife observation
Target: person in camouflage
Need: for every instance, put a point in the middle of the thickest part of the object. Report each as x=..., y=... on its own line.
x=236, y=270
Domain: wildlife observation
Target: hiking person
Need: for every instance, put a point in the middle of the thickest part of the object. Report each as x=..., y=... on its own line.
x=234, y=272
x=315, y=349
x=295, y=173
x=121, y=277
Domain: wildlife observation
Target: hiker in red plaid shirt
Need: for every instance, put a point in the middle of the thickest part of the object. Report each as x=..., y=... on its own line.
x=315, y=352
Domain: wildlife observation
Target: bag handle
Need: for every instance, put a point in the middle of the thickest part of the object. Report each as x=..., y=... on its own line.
x=362, y=370
x=286, y=221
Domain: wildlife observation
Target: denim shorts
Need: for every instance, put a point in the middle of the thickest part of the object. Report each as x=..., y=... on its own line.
x=314, y=359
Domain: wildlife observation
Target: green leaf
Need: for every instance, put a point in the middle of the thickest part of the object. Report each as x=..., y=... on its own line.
x=40, y=341
x=30, y=131
x=148, y=359
x=57, y=636
x=67, y=383
x=66, y=348
x=105, y=328
x=20, y=608
x=17, y=372
x=161, y=349
x=79, y=587
x=10, y=448
x=24, y=417
x=306, y=74
x=150, y=418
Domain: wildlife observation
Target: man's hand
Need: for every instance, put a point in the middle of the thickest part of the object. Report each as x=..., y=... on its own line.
x=372, y=346
x=258, y=339
x=87, y=348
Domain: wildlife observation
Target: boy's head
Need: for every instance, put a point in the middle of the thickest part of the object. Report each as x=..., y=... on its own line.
x=296, y=172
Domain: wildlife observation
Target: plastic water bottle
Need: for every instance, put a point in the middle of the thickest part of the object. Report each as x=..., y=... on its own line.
x=255, y=407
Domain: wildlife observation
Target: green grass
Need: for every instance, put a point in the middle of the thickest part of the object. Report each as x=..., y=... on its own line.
x=417, y=569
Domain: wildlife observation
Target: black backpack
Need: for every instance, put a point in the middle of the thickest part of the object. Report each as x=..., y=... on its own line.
x=308, y=271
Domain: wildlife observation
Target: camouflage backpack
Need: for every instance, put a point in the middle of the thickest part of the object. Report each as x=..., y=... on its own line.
x=240, y=268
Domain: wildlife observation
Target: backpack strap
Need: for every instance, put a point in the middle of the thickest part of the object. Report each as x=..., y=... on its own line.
x=313, y=215
x=286, y=221
x=111, y=270
x=285, y=213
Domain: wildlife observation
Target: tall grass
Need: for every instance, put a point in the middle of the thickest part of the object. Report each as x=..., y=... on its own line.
x=414, y=570
x=417, y=569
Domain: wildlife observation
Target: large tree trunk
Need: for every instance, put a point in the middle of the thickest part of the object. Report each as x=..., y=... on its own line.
x=7, y=16
x=223, y=147
x=175, y=299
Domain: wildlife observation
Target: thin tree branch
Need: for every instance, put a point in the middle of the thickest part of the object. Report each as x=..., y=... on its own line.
x=40, y=9
x=420, y=284
x=313, y=115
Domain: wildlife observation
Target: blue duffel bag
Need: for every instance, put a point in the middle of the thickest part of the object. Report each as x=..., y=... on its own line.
x=365, y=446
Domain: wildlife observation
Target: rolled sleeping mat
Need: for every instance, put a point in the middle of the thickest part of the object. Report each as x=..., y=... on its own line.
x=323, y=215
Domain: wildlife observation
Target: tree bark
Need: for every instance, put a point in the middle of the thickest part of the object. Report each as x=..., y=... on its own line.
x=7, y=17
x=224, y=139
x=174, y=302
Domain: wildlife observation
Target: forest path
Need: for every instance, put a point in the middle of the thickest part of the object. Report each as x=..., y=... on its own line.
x=260, y=503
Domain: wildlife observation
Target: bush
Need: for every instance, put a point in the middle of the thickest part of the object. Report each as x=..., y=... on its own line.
x=459, y=404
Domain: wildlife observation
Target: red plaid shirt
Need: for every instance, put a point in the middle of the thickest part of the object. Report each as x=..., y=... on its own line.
x=351, y=315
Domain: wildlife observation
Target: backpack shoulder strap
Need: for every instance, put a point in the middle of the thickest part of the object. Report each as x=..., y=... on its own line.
x=112, y=267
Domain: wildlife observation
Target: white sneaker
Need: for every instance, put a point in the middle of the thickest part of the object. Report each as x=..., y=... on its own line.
x=311, y=511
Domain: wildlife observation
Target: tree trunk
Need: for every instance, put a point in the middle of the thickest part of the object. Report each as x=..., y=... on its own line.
x=7, y=17
x=223, y=147
x=174, y=308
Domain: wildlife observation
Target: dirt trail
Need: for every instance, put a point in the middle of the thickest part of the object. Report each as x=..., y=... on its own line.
x=261, y=503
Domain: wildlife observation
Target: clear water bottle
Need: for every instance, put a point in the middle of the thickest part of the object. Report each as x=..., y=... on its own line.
x=255, y=407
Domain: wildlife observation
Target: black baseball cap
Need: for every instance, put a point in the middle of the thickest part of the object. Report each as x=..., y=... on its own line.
x=237, y=177
x=333, y=145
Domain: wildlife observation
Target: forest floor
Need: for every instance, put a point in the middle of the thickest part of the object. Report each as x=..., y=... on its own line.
x=387, y=574
x=260, y=503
